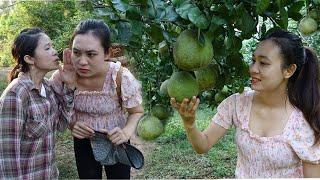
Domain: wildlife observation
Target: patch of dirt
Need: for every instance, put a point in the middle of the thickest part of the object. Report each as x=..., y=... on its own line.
x=146, y=148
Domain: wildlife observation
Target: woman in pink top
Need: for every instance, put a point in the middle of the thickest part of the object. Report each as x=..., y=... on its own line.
x=96, y=102
x=277, y=122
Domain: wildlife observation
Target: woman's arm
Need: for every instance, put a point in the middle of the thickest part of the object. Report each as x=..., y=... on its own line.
x=11, y=125
x=311, y=170
x=119, y=136
x=63, y=83
x=201, y=141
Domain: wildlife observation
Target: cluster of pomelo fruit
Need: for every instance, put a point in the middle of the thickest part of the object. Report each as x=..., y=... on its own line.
x=311, y=22
x=196, y=74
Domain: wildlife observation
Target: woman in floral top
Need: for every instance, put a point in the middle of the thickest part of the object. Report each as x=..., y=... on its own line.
x=97, y=106
x=32, y=109
x=277, y=122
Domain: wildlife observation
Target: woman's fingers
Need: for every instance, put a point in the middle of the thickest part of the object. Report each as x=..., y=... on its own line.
x=81, y=129
x=174, y=103
x=77, y=135
x=184, y=105
x=195, y=105
x=67, y=56
x=117, y=136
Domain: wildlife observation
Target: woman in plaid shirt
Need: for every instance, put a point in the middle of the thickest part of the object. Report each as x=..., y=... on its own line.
x=33, y=108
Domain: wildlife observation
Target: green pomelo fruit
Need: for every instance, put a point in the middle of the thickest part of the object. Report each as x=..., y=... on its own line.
x=307, y=25
x=219, y=97
x=182, y=85
x=206, y=77
x=149, y=128
x=314, y=14
x=164, y=87
x=160, y=111
x=189, y=54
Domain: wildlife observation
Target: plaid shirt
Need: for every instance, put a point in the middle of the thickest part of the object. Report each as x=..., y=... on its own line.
x=28, y=123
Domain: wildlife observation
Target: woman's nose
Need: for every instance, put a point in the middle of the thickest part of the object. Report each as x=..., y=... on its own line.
x=254, y=68
x=83, y=60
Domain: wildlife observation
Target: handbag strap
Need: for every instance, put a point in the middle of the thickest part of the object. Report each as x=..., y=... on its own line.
x=118, y=81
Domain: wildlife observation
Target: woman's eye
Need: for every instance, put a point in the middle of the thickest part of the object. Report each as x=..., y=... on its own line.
x=91, y=55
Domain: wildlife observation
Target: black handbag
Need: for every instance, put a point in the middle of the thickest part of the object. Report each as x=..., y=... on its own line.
x=108, y=153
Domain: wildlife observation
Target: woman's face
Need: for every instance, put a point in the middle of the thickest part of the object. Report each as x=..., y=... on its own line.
x=266, y=68
x=46, y=57
x=88, y=55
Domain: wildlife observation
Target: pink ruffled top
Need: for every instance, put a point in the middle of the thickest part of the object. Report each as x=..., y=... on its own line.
x=101, y=109
x=279, y=156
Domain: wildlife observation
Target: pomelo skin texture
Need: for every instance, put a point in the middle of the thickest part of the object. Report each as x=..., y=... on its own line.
x=149, y=128
x=164, y=86
x=160, y=111
x=182, y=85
x=189, y=54
x=307, y=26
x=206, y=78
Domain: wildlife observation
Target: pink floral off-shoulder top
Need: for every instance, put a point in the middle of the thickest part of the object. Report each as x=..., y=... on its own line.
x=101, y=109
x=279, y=156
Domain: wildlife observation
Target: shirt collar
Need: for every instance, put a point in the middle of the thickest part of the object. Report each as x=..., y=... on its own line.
x=29, y=83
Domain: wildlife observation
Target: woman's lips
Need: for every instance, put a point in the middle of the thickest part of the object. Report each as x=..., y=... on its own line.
x=254, y=80
x=83, y=70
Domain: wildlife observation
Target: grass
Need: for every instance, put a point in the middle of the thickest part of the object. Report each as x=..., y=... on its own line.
x=3, y=84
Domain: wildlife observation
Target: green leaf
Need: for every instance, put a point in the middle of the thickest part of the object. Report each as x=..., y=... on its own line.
x=294, y=10
x=184, y=10
x=179, y=2
x=262, y=5
x=247, y=24
x=279, y=3
x=133, y=13
x=155, y=33
x=218, y=20
x=124, y=32
x=192, y=13
x=284, y=18
x=121, y=5
x=142, y=2
x=155, y=8
x=137, y=28
x=197, y=18
x=169, y=14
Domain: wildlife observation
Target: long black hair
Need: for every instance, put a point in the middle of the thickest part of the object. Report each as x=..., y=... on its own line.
x=24, y=44
x=303, y=89
x=98, y=28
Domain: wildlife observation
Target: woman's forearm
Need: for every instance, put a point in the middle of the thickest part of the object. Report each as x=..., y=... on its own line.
x=198, y=139
x=132, y=123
